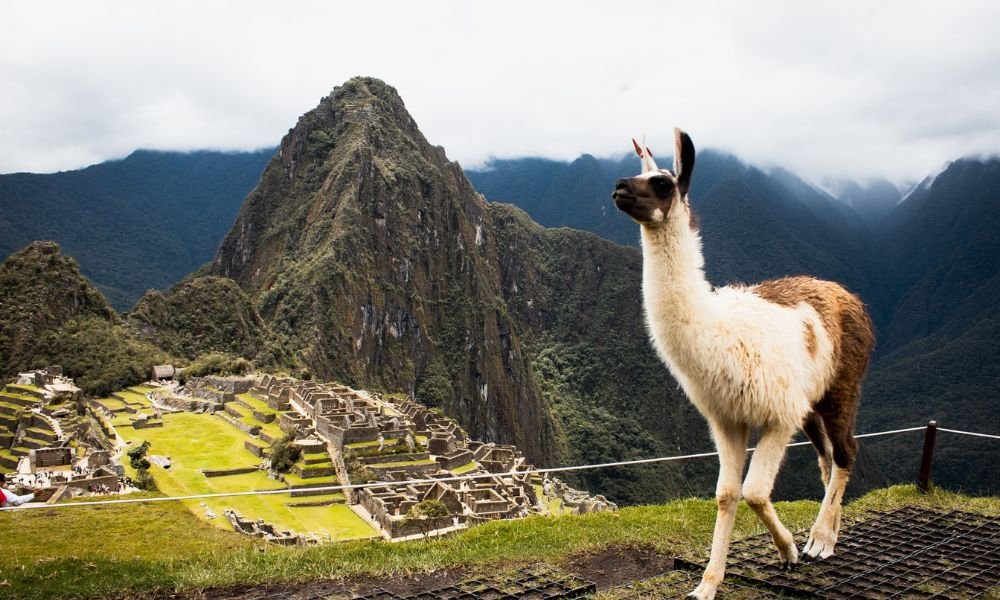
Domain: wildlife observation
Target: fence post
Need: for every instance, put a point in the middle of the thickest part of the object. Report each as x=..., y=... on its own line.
x=924, y=477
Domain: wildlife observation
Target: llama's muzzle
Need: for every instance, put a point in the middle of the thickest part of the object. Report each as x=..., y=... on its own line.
x=623, y=195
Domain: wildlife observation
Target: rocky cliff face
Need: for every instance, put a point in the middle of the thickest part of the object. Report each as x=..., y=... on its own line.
x=373, y=254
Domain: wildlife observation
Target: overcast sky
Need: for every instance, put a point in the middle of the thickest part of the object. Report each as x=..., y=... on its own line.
x=838, y=89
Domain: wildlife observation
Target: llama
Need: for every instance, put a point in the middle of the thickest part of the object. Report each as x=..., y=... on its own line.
x=777, y=356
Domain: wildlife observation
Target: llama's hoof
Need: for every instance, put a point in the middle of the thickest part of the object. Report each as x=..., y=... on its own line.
x=789, y=556
x=819, y=546
x=702, y=592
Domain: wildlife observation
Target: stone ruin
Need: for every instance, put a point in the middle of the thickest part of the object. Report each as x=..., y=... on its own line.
x=579, y=503
x=202, y=394
x=370, y=431
x=260, y=529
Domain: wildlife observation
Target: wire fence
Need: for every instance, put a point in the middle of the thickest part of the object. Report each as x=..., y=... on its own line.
x=515, y=472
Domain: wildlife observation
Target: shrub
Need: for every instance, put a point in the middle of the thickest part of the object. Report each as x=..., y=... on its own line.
x=429, y=509
x=284, y=453
x=358, y=472
x=137, y=457
x=144, y=479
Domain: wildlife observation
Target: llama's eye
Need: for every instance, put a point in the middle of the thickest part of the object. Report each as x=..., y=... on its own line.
x=661, y=185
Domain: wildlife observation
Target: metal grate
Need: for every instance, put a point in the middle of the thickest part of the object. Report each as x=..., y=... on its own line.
x=906, y=553
x=517, y=585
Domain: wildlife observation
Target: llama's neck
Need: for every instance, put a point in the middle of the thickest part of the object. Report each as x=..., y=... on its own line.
x=677, y=296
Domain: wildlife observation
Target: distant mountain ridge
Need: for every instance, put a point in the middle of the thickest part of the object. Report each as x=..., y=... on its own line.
x=133, y=224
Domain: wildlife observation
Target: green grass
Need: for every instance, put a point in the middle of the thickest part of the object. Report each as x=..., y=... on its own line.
x=465, y=468
x=15, y=407
x=111, y=403
x=19, y=386
x=20, y=396
x=142, y=389
x=258, y=405
x=161, y=548
x=403, y=463
x=375, y=443
x=293, y=480
x=195, y=442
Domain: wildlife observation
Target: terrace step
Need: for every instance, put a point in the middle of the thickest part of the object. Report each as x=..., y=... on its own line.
x=236, y=411
x=18, y=399
x=266, y=437
x=34, y=444
x=9, y=409
x=8, y=460
x=24, y=391
x=38, y=433
x=311, y=473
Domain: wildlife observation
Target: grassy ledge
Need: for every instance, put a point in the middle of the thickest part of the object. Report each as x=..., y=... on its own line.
x=140, y=550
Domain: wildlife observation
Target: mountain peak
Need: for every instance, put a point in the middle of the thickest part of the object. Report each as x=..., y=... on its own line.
x=374, y=256
x=40, y=289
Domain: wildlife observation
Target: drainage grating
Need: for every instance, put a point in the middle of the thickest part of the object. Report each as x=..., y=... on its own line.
x=906, y=553
x=515, y=585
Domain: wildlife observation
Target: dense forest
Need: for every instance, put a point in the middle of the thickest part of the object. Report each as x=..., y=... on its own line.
x=143, y=222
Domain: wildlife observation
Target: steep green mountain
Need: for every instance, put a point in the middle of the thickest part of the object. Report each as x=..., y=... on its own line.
x=142, y=222
x=940, y=354
x=371, y=253
x=50, y=314
x=200, y=315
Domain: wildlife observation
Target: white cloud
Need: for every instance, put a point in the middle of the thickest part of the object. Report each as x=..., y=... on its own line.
x=846, y=89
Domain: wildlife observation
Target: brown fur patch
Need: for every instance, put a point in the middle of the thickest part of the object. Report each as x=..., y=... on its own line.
x=845, y=319
x=810, y=339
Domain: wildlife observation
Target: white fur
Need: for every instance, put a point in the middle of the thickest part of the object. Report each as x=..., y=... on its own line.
x=744, y=363
x=739, y=358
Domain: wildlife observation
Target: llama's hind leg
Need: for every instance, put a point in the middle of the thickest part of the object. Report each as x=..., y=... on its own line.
x=732, y=444
x=758, y=486
x=826, y=530
x=816, y=432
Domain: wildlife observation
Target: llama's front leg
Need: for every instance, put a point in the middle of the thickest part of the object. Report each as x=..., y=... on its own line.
x=759, y=484
x=732, y=443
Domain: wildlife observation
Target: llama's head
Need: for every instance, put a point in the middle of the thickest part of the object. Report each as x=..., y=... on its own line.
x=650, y=197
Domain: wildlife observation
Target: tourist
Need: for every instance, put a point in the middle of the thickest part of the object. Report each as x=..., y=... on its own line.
x=9, y=498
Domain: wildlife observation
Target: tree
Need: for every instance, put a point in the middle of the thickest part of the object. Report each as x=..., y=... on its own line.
x=284, y=453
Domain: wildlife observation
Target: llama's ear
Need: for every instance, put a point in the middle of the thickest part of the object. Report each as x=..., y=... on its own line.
x=645, y=155
x=683, y=160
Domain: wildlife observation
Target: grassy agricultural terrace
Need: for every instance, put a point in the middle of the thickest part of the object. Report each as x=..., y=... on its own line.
x=197, y=442
x=162, y=548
